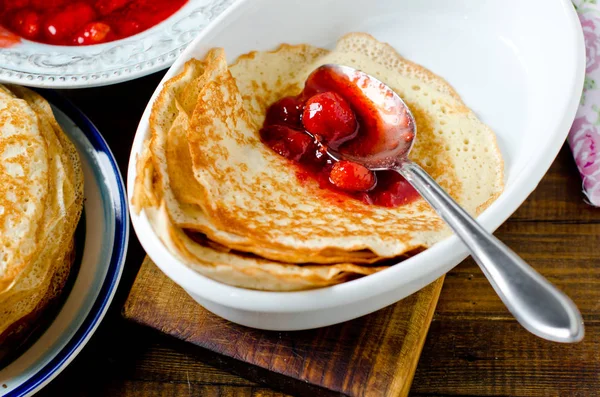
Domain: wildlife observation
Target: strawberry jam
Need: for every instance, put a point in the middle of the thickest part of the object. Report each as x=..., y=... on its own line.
x=333, y=112
x=83, y=22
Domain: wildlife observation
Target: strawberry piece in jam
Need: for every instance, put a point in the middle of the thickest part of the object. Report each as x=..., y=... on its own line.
x=60, y=26
x=288, y=142
x=392, y=190
x=329, y=116
x=332, y=110
x=92, y=33
x=286, y=110
x=27, y=23
x=352, y=177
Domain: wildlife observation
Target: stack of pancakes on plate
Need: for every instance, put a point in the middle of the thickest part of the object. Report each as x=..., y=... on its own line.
x=229, y=207
x=41, y=199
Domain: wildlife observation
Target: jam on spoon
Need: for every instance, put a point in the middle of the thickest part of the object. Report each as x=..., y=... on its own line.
x=332, y=113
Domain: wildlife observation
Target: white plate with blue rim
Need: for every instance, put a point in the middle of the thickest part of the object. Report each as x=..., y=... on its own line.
x=35, y=64
x=101, y=243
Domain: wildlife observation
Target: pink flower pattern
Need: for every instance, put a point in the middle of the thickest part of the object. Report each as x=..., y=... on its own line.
x=584, y=140
x=584, y=137
x=591, y=34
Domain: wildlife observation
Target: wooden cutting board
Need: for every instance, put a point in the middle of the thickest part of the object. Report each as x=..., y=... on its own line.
x=375, y=355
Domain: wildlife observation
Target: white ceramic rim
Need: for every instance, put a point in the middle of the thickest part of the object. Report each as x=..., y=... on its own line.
x=365, y=287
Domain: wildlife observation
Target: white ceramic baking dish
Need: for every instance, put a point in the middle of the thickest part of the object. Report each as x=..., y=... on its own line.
x=518, y=64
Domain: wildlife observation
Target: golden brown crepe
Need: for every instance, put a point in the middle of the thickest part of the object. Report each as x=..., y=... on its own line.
x=40, y=163
x=206, y=170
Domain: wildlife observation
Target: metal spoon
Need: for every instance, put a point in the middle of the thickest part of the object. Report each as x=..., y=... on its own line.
x=536, y=304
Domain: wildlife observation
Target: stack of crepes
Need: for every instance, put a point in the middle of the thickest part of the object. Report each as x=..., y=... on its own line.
x=41, y=199
x=233, y=210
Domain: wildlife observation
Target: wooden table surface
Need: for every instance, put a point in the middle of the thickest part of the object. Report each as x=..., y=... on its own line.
x=474, y=347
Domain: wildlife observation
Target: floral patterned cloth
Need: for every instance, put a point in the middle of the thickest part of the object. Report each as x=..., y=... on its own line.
x=584, y=137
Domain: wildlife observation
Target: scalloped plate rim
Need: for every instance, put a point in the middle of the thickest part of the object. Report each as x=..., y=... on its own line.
x=110, y=74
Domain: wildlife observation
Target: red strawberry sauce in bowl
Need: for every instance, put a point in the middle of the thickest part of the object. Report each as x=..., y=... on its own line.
x=83, y=22
x=329, y=112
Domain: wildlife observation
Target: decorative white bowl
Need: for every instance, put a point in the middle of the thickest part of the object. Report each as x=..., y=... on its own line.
x=41, y=65
x=521, y=73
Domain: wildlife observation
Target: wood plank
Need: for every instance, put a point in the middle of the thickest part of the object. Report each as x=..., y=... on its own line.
x=160, y=389
x=468, y=295
x=138, y=355
x=373, y=355
x=165, y=362
x=499, y=358
x=558, y=197
x=567, y=254
x=476, y=348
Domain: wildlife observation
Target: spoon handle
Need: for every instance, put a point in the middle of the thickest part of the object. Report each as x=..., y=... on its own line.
x=539, y=306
